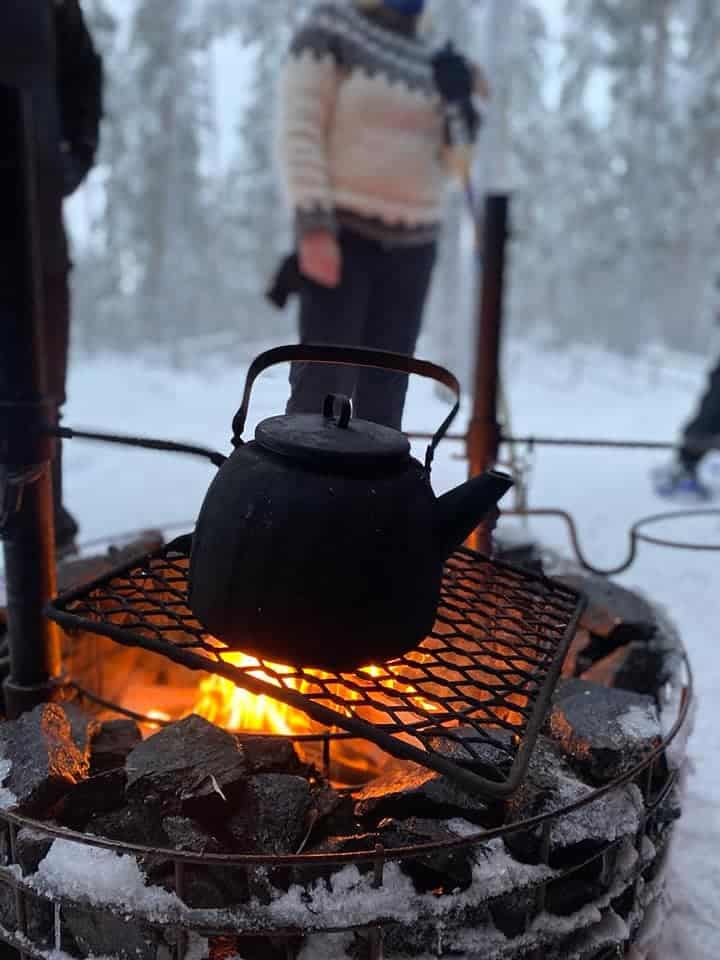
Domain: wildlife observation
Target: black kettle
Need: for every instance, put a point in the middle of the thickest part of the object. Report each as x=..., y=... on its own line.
x=321, y=543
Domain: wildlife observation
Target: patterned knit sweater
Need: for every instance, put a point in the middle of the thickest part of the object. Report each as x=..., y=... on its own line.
x=361, y=128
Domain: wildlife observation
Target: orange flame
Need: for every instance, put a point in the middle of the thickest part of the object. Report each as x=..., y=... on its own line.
x=229, y=706
x=223, y=703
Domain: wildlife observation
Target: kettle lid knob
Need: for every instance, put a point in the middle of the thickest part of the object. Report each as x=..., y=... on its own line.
x=333, y=438
x=346, y=409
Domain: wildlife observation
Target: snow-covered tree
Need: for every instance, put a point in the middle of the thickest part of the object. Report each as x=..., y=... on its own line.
x=254, y=224
x=98, y=277
x=612, y=160
x=634, y=209
x=173, y=221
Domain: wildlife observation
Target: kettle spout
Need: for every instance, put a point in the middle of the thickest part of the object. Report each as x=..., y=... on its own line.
x=461, y=510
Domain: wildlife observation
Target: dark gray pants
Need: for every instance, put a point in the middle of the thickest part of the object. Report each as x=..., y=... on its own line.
x=703, y=431
x=379, y=304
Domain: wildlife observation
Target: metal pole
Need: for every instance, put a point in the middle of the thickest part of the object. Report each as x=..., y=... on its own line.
x=26, y=506
x=483, y=441
x=483, y=438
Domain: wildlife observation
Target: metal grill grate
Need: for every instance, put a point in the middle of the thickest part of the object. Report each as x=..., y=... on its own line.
x=468, y=702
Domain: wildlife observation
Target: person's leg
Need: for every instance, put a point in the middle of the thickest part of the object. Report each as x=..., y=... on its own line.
x=57, y=340
x=331, y=316
x=394, y=318
x=705, y=426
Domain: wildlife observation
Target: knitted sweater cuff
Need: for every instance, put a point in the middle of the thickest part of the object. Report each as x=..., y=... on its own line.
x=316, y=220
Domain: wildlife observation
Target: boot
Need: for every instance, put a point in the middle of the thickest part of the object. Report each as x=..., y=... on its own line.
x=679, y=481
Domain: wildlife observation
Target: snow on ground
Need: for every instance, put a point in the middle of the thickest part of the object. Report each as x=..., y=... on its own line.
x=586, y=393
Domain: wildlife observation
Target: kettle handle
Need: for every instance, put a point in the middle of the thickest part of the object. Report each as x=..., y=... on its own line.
x=355, y=357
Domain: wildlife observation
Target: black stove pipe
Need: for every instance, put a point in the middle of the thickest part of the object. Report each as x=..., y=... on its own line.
x=26, y=450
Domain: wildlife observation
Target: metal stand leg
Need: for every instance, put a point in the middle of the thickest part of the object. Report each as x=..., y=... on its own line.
x=34, y=641
x=26, y=512
x=483, y=439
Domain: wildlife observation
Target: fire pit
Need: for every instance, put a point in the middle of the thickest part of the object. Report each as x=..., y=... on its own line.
x=265, y=858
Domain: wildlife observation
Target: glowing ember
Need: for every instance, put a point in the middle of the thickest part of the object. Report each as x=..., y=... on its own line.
x=159, y=715
x=156, y=719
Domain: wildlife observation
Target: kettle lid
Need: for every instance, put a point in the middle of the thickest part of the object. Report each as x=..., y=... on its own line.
x=324, y=439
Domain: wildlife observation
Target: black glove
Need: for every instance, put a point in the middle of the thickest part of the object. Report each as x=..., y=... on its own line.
x=453, y=75
x=287, y=281
x=455, y=82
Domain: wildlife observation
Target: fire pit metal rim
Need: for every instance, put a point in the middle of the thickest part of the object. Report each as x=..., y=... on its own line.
x=9, y=877
x=554, y=612
x=383, y=854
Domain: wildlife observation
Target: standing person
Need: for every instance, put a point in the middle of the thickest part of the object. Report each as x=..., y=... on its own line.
x=46, y=49
x=680, y=479
x=363, y=146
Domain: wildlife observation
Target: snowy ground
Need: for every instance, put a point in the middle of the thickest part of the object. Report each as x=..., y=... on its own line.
x=111, y=489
